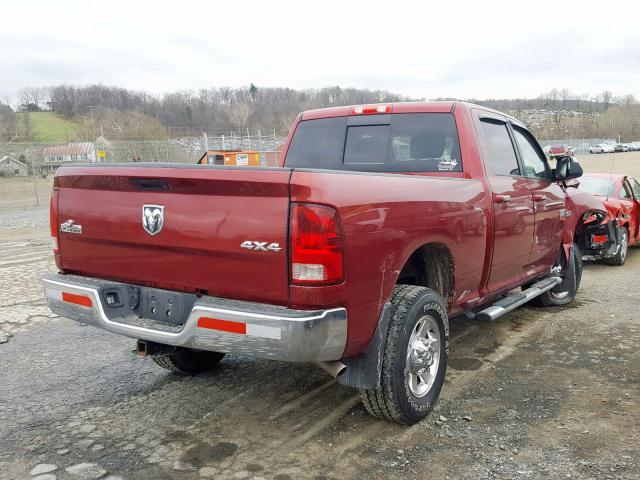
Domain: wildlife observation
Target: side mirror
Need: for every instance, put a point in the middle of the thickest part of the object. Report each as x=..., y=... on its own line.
x=568, y=168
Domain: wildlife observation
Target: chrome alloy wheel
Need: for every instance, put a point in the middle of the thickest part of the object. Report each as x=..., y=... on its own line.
x=423, y=356
x=559, y=295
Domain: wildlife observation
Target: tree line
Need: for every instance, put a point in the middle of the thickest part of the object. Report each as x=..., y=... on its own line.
x=119, y=113
x=211, y=110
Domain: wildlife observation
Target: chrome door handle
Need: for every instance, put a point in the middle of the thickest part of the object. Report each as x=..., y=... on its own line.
x=503, y=198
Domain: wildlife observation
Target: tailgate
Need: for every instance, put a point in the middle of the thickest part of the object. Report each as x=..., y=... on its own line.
x=196, y=219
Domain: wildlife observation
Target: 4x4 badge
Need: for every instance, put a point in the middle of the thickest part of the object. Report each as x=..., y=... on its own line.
x=71, y=227
x=153, y=218
x=261, y=246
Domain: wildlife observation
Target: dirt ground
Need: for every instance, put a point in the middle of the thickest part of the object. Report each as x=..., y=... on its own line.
x=540, y=393
x=22, y=192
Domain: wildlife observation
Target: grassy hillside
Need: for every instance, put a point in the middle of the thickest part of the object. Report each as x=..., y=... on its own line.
x=51, y=128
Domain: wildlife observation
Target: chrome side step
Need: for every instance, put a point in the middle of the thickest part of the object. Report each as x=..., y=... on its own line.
x=511, y=302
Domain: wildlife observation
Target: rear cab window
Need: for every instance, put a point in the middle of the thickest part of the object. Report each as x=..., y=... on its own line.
x=401, y=142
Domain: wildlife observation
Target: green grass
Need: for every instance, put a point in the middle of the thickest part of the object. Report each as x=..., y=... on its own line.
x=49, y=127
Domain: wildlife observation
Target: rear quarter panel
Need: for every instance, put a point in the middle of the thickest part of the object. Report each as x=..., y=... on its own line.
x=385, y=218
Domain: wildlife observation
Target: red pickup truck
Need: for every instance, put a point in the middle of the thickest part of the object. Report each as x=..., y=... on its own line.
x=383, y=222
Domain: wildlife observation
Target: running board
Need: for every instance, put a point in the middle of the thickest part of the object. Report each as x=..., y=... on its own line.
x=511, y=302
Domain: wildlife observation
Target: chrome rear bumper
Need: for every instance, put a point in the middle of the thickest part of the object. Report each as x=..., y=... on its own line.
x=221, y=325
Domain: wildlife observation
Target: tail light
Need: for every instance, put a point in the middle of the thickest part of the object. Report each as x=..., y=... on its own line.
x=53, y=225
x=53, y=220
x=595, y=239
x=316, y=245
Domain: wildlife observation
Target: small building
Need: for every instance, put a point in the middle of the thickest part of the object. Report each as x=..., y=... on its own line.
x=10, y=167
x=213, y=157
x=243, y=158
x=84, y=152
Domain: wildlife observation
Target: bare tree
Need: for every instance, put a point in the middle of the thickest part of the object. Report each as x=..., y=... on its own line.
x=31, y=99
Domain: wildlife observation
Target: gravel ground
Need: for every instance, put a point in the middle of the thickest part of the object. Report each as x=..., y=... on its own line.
x=540, y=393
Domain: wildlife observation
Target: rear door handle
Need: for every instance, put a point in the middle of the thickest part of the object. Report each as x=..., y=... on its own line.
x=539, y=198
x=503, y=198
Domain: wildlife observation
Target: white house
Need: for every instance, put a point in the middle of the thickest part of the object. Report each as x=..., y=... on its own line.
x=73, y=152
x=10, y=167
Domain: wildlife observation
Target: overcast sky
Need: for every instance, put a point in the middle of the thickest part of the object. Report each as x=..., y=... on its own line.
x=478, y=49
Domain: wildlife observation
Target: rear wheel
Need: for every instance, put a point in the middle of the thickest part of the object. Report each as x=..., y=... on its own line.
x=414, y=357
x=567, y=290
x=621, y=255
x=189, y=361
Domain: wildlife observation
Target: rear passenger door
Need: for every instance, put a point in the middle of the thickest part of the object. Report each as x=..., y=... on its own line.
x=548, y=200
x=512, y=203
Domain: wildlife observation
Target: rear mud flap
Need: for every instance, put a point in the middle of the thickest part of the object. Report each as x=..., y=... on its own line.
x=363, y=371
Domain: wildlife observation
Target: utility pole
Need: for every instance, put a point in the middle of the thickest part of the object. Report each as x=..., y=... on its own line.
x=33, y=175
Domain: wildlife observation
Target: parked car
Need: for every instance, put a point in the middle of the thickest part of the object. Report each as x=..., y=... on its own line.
x=634, y=147
x=621, y=147
x=602, y=148
x=560, y=150
x=620, y=197
x=383, y=222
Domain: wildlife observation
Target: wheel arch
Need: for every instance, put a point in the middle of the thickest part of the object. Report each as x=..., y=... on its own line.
x=430, y=265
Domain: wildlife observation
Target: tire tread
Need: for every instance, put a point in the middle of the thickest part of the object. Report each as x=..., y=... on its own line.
x=189, y=362
x=382, y=401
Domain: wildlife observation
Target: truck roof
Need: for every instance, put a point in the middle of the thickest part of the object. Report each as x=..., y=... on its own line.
x=446, y=106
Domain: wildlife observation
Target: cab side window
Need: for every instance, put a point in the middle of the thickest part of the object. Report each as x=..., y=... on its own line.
x=502, y=156
x=535, y=164
x=636, y=187
x=625, y=192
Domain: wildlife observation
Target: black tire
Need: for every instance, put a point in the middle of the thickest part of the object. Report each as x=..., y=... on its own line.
x=621, y=255
x=393, y=399
x=188, y=361
x=561, y=295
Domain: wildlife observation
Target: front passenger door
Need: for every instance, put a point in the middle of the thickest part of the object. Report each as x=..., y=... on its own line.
x=548, y=200
x=512, y=205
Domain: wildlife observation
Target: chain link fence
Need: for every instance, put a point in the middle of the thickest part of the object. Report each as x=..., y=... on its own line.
x=27, y=168
x=581, y=145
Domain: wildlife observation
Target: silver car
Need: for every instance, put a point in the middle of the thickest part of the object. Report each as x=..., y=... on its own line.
x=602, y=148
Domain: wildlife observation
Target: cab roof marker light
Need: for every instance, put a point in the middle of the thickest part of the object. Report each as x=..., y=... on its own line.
x=371, y=109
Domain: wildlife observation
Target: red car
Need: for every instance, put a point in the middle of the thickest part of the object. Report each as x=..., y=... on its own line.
x=620, y=196
x=560, y=150
x=382, y=222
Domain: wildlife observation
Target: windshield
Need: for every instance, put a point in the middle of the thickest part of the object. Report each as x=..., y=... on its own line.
x=598, y=186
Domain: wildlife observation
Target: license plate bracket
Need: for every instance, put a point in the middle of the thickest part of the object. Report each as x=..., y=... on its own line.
x=161, y=305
